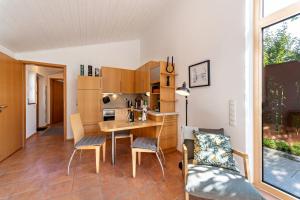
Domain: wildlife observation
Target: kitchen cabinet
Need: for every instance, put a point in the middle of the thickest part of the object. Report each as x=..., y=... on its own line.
x=142, y=79
x=89, y=98
x=111, y=80
x=116, y=80
x=88, y=82
x=127, y=81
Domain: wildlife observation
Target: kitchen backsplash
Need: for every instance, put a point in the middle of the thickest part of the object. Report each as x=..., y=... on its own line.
x=120, y=100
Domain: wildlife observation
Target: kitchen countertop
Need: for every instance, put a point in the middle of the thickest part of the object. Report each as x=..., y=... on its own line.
x=150, y=112
x=161, y=113
x=154, y=113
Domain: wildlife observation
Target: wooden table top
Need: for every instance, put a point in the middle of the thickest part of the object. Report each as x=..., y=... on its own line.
x=120, y=125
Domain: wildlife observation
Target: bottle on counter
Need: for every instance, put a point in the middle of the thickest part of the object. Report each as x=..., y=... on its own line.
x=131, y=115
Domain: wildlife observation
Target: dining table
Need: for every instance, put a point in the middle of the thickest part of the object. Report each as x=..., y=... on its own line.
x=122, y=125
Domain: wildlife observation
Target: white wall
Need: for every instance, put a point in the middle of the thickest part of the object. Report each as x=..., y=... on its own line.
x=30, y=110
x=193, y=31
x=42, y=101
x=125, y=54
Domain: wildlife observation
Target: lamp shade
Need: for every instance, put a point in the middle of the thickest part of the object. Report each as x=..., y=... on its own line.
x=183, y=90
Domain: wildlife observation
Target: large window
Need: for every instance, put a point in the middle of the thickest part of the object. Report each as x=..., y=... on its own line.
x=277, y=92
x=281, y=105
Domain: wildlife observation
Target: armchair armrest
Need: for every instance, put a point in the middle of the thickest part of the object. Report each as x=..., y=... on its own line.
x=185, y=162
x=245, y=161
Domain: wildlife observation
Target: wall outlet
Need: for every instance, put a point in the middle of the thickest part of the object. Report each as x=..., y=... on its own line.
x=232, y=113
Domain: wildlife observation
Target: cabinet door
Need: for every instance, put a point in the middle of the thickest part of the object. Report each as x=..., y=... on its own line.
x=111, y=80
x=89, y=106
x=127, y=81
x=12, y=105
x=88, y=83
x=146, y=79
x=137, y=80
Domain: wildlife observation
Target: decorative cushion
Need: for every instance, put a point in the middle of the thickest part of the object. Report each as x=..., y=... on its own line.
x=145, y=143
x=214, y=150
x=189, y=137
x=220, y=184
x=92, y=140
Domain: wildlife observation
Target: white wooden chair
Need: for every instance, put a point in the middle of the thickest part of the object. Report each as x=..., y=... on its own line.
x=209, y=182
x=82, y=142
x=147, y=145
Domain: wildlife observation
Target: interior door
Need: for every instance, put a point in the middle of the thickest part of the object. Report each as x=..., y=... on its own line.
x=57, y=100
x=11, y=105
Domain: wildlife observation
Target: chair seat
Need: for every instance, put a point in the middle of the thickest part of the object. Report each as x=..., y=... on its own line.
x=217, y=183
x=122, y=134
x=90, y=141
x=145, y=143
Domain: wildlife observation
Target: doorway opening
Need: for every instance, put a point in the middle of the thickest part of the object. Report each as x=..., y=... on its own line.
x=45, y=101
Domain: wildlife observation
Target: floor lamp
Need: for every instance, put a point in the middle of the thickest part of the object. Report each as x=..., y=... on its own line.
x=184, y=91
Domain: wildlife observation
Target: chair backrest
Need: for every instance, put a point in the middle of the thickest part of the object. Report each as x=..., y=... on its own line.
x=77, y=128
x=160, y=130
x=187, y=132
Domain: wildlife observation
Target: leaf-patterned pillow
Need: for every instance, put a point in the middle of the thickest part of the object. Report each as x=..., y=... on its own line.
x=214, y=150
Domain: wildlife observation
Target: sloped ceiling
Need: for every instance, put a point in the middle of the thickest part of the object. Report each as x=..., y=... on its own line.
x=28, y=25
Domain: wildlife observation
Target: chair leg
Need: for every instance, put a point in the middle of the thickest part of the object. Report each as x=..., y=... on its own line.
x=133, y=152
x=139, y=158
x=163, y=156
x=97, y=149
x=71, y=158
x=162, y=168
x=115, y=148
x=80, y=155
x=187, y=196
x=104, y=151
x=131, y=140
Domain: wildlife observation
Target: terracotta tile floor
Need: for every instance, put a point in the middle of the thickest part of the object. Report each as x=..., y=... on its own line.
x=39, y=170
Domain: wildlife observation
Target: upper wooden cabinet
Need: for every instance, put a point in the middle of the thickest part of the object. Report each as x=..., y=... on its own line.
x=88, y=83
x=142, y=79
x=116, y=80
x=111, y=80
x=127, y=81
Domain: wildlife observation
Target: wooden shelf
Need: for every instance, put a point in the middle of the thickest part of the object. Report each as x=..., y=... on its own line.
x=168, y=74
x=155, y=93
x=170, y=87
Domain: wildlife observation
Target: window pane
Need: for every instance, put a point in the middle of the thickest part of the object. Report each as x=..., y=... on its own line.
x=270, y=6
x=281, y=105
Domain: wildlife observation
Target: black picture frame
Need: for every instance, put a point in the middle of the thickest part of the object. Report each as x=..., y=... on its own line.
x=204, y=79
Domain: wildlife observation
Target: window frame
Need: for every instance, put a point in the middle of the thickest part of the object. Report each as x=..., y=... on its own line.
x=260, y=22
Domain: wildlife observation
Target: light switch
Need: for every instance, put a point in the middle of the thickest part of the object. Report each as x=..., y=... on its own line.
x=232, y=113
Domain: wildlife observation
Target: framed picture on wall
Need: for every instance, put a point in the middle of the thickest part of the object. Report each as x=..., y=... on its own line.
x=199, y=74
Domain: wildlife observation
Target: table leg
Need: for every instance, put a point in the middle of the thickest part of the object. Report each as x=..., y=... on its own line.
x=113, y=148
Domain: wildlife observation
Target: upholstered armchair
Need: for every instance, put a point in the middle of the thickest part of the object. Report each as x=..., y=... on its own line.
x=212, y=182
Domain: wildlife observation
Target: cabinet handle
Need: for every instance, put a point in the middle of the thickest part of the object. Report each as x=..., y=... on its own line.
x=2, y=107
